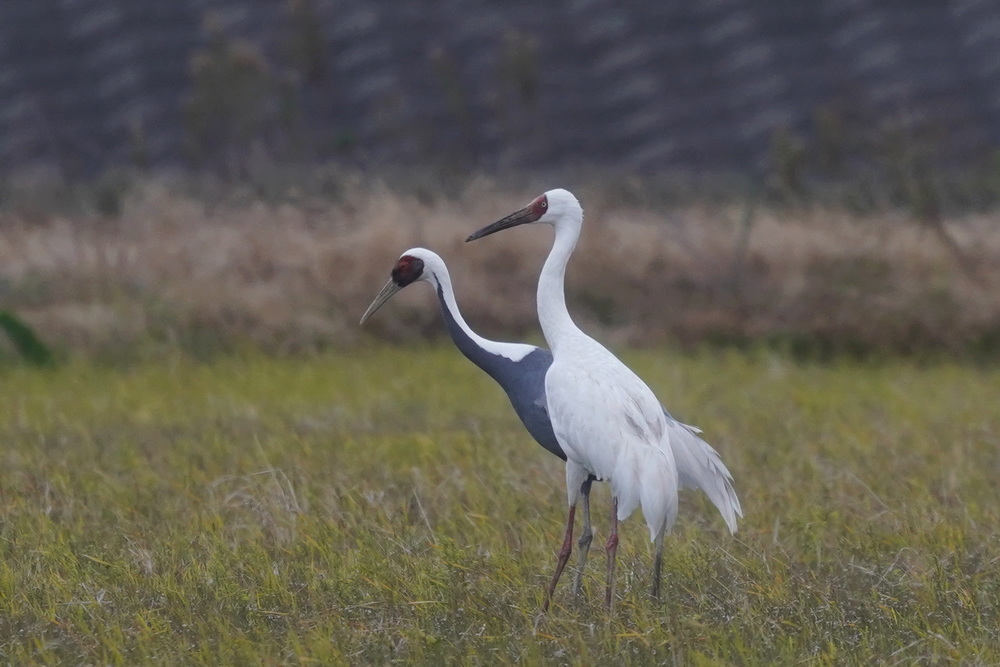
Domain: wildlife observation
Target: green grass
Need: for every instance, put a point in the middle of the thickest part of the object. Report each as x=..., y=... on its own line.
x=385, y=505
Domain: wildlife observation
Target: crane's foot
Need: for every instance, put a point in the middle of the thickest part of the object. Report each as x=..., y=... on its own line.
x=563, y=558
x=655, y=593
x=657, y=567
x=611, y=549
x=584, y=545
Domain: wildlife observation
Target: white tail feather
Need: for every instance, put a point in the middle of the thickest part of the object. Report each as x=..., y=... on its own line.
x=699, y=467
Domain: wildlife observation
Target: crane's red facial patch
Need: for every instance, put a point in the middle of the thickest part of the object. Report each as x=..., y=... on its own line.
x=539, y=207
x=407, y=269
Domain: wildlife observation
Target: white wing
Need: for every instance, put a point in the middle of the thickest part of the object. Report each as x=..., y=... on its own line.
x=610, y=423
x=699, y=467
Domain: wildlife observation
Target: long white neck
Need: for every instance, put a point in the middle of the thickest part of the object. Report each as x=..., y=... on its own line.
x=557, y=325
x=514, y=351
x=442, y=280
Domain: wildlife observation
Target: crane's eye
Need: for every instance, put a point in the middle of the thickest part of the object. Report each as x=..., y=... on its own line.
x=540, y=206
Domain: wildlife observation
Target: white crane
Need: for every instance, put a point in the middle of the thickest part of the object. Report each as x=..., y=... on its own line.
x=607, y=421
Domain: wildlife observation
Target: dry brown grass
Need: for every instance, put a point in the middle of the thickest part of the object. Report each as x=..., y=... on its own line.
x=175, y=269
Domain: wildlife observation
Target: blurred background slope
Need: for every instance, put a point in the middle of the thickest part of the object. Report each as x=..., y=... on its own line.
x=89, y=84
x=823, y=175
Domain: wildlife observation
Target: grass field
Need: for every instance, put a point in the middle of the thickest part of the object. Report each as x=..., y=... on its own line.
x=385, y=505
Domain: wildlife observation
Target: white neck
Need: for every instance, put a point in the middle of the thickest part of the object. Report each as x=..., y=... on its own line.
x=512, y=351
x=556, y=323
x=443, y=279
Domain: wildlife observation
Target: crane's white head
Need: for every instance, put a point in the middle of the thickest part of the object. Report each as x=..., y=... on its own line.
x=414, y=265
x=556, y=207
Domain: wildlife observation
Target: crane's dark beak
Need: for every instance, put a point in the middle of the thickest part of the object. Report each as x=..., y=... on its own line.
x=524, y=216
x=390, y=288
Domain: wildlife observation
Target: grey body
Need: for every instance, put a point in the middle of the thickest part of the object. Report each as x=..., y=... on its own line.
x=523, y=381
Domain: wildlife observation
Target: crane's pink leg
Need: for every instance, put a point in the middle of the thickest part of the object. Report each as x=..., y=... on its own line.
x=611, y=548
x=564, y=552
x=586, y=536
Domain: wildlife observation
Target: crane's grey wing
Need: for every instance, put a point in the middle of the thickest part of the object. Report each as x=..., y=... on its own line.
x=525, y=386
x=518, y=368
x=700, y=467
